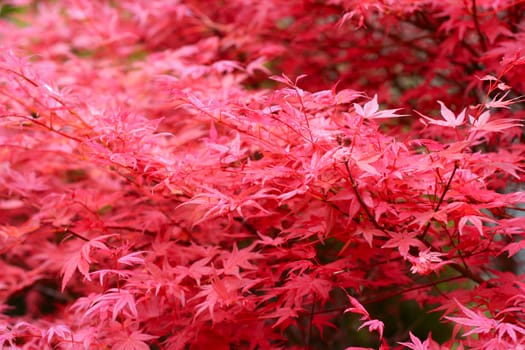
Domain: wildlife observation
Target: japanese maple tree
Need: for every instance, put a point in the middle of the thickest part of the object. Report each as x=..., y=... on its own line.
x=262, y=174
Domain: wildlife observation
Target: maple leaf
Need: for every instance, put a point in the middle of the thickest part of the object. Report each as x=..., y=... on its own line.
x=374, y=325
x=363, y=162
x=510, y=330
x=258, y=65
x=514, y=247
x=450, y=119
x=480, y=323
x=403, y=241
x=416, y=344
x=116, y=301
x=122, y=274
x=220, y=204
x=132, y=259
x=266, y=240
x=80, y=260
x=368, y=233
x=482, y=123
x=283, y=314
x=427, y=262
x=74, y=263
x=240, y=259
x=476, y=220
x=62, y=332
x=221, y=292
x=357, y=308
x=7, y=336
x=424, y=217
x=195, y=271
x=370, y=110
x=134, y=341
x=321, y=321
x=501, y=101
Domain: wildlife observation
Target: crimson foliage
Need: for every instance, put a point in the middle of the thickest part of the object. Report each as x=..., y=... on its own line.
x=261, y=174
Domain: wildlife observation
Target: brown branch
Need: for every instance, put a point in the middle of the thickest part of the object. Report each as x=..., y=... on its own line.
x=478, y=28
x=78, y=235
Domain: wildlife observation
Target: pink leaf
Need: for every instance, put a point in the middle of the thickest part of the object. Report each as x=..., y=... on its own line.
x=480, y=324
x=132, y=259
x=416, y=344
x=450, y=119
x=135, y=341
x=374, y=325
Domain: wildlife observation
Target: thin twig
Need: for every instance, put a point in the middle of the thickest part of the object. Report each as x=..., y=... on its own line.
x=476, y=24
x=78, y=235
x=303, y=110
x=359, y=198
x=442, y=198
